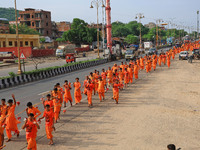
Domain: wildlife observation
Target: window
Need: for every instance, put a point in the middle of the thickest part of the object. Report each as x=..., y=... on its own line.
x=47, y=32
x=33, y=24
x=10, y=43
x=46, y=16
x=4, y=44
x=26, y=43
x=47, y=24
x=21, y=44
x=32, y=16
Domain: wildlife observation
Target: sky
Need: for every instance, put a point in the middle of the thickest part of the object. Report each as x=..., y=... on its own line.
x=184, y=12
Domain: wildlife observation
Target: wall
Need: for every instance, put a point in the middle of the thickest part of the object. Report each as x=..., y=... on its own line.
x=43, y=53
x=28, y=52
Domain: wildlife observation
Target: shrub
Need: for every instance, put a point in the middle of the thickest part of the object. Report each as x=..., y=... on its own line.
x=12, y=74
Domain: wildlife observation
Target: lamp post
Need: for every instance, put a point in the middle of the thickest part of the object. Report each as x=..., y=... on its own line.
x=103, y=26
x=17, y=38
x=97, y=4
x=158, y=21
x=198, y=24
x=140, y=16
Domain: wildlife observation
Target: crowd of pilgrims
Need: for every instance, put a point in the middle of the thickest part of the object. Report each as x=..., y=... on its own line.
x=116, y=77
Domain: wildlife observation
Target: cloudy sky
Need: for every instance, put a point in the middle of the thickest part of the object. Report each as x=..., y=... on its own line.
x=184, y=11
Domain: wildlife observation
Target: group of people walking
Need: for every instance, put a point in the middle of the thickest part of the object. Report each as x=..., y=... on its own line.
x=117, y=77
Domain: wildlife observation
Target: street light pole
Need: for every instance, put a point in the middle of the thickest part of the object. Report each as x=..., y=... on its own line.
x=198, y=24
x=140, y=16
x=97, y=3
x=103, y=34
x=17, y=38
x=158, y=21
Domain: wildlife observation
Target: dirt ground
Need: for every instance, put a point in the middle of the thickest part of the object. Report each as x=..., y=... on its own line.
x=159, y=109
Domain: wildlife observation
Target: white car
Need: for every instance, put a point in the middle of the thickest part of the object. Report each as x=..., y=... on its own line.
x=183, y=55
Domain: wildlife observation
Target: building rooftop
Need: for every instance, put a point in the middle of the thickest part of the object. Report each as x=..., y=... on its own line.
x=28, y=9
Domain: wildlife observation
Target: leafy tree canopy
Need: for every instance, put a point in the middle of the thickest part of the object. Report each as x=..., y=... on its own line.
x=8, y=13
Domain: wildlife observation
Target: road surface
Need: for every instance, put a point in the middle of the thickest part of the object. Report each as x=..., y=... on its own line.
x=60, y=62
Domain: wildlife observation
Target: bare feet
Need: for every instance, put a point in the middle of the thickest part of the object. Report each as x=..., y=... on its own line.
x=8, y=140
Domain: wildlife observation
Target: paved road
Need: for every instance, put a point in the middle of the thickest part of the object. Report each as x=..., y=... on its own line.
x=4, y=71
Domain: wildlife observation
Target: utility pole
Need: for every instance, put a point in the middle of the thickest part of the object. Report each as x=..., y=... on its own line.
x=158, y=21
x=198, y=24
x=17, y=38
x=97, y=3
x=103, y=29
x=140, y=16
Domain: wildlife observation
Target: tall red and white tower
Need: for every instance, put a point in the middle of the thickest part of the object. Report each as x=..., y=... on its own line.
x=109, y=26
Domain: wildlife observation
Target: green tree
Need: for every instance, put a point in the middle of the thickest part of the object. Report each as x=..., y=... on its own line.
x=8, y=13
x=23, y=29
x=131, y=39
x=42, y=40
x=80, y=33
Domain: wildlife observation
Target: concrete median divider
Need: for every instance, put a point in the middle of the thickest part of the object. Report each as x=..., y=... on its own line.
x=50, y=72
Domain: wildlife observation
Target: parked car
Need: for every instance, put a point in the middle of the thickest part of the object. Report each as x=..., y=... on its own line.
x=183, y=55
x=152, y=51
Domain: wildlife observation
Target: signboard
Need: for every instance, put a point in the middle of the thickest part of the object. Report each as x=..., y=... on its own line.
x=22, y=56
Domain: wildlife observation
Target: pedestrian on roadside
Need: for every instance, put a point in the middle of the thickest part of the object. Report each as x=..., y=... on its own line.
x=49, y=123
x=31, y=131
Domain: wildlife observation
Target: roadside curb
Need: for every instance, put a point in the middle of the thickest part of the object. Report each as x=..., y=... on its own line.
x=26, y=78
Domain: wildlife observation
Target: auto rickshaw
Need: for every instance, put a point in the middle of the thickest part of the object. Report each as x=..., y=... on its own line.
x=70, y=57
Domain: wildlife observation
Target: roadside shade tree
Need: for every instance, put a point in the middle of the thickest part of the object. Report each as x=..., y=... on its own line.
x=23, y=29
x=80, y=33
x=132, y=39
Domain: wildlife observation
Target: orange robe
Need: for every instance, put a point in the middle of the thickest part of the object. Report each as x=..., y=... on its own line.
x=49, y=115
x=109, y=76
x=77, y=92
x=130, y=71
x=50, y=103
x=101, y=90
x=1, y=136
x=67, y=95
x=103, y=75
x=11, y=122
x=147, y=66
x=136, y=68
x=160, y=60
x=3, y=110
x=61, y=92
x=34, y=111
x=126, y=77
x=164, y=59
x=57, y=105
x=154, y=64
x=89, y=87
x=116, y=92
x=85, y=90
x=168, y=61
x=142, y=63
x=31, y=134
x=173, y=55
